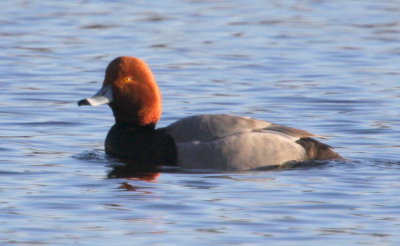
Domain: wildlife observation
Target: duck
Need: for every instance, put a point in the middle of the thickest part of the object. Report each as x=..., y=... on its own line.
x=207, y=141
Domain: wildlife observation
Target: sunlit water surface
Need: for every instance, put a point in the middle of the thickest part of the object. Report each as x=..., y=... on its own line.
x=330, y=67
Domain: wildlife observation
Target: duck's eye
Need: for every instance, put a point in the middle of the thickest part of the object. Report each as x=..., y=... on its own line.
x=128, y=79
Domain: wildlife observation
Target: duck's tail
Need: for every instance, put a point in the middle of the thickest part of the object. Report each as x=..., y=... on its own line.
x=316, y=150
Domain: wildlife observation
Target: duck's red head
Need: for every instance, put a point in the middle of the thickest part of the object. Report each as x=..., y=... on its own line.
x=131, y=91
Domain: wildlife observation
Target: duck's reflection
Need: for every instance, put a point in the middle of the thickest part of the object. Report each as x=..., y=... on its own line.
x=128, y=170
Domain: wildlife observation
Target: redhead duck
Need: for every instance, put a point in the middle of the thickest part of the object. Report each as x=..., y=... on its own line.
x=208, y=141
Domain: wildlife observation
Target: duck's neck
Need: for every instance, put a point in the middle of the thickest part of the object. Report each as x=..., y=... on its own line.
x=135, y=126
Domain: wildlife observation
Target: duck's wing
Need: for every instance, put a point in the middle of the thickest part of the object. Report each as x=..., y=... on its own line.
x=292, y=131
x=207, y=127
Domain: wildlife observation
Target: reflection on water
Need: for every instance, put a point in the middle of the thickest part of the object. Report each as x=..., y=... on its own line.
x=329, y=67
x=129, y=172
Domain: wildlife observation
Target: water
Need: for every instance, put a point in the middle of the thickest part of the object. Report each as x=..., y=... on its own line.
x=330, y=67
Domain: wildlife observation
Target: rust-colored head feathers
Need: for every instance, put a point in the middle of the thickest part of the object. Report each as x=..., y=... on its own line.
x=131, y=91
x=136, y=96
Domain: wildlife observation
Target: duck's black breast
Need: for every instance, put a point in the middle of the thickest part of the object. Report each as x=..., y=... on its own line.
x=141, y=145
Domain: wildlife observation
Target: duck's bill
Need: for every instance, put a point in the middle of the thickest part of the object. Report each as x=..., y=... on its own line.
x=103, y=96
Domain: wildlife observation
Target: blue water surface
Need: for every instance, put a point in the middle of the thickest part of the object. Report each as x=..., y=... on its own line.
x=329, y=67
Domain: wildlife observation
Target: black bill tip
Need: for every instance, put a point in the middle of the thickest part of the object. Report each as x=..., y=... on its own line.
x=83, y=102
